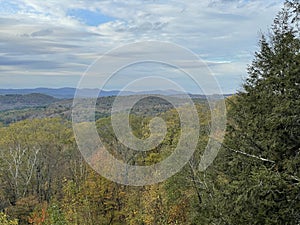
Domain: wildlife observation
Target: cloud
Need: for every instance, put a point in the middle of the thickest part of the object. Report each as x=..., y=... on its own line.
x=43, y=32
x=53, y=38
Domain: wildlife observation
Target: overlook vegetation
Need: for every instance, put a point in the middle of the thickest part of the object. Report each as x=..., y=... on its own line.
x=255, y=178
x=21, y=101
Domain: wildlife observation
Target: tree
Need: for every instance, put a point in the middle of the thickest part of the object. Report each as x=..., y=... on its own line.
x=260, y=182
x=35, y=156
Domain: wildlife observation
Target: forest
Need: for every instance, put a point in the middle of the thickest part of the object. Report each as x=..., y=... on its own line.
x=255, y=179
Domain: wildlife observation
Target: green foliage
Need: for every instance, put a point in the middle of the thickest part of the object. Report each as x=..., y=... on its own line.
x=258, y=169
x=34, y=159
x=50, y=168
x=14, y=101
x=5, y=221
x=55, y=215
x=254, y=180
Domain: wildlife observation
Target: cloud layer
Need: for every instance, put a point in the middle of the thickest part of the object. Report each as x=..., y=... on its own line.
x=51, y=43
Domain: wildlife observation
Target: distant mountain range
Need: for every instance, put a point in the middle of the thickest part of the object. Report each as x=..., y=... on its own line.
x=68, y=93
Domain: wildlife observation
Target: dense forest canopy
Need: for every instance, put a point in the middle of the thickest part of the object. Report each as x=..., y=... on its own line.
x=254, y=180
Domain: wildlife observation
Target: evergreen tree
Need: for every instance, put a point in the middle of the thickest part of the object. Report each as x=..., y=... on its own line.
x=262, y=149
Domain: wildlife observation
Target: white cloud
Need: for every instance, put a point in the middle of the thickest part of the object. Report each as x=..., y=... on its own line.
x=41, y=36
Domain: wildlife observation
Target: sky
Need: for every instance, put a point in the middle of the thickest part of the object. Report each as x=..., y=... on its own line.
x=53, y=43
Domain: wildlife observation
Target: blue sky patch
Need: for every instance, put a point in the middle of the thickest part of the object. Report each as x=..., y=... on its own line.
x=8, y=7
x=89, y=18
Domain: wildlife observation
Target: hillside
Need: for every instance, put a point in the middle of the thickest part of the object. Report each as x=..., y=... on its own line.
x=17, y=101
x=19, y=107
